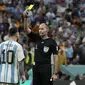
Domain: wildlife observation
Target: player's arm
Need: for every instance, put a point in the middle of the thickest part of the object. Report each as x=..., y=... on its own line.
x=21, y=67
x=22, y=71
x=20, y=55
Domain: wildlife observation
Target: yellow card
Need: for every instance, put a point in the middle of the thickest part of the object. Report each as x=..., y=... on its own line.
x=29, y=7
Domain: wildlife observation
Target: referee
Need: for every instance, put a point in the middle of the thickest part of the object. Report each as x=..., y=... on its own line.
x=45, y=46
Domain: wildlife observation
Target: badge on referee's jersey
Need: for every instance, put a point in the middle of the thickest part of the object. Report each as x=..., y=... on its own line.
x=57, y=48
x=46, y=49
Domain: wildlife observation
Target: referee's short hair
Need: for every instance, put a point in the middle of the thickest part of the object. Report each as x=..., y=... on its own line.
x=13, y=31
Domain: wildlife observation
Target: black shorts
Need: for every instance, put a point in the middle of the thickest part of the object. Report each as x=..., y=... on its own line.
x=42, y=74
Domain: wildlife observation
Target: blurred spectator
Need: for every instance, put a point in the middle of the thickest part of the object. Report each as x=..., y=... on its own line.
x=51, y=3
x=42, y=8
x=50, y=14
x=62, y=56
x=81, y=53
x=69, y=52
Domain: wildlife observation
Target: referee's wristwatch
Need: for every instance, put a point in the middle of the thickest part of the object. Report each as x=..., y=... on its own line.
x=56, y=73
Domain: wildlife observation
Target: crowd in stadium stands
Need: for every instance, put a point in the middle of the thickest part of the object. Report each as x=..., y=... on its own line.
x=65, y=18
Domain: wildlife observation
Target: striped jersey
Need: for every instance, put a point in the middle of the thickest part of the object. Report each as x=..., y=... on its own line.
x=11, y=53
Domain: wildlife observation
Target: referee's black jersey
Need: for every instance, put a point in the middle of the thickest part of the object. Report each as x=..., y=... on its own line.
x=44, y=48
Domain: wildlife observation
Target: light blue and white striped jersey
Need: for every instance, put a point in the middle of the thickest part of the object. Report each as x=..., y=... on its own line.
x=11, y=53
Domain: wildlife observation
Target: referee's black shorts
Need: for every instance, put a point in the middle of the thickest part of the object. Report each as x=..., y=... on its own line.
x=42, y=74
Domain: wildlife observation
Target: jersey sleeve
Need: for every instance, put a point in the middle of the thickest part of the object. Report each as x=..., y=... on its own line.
x=34, y=36
x=20, y=53
x=54, y=47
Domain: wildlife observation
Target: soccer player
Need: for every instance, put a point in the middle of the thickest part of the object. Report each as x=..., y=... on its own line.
x=11, y=60
x=45, y=46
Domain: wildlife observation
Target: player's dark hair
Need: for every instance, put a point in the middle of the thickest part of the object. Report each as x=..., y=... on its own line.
x=13, y=31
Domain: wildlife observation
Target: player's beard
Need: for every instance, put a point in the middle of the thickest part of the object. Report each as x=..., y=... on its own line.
x=17, y=40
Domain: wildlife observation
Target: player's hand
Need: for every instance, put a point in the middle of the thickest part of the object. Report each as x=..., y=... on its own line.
x=23, y=78
x=54, y=77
